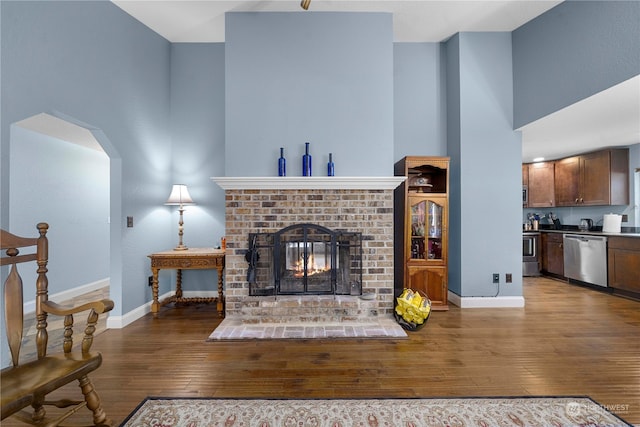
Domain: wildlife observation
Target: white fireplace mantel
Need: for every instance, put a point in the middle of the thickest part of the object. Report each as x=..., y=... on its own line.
x=308, y=182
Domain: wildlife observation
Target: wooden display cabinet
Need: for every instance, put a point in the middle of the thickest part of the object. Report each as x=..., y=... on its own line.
x=421, y=227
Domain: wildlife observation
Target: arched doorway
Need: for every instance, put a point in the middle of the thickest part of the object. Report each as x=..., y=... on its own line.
x=67, y=173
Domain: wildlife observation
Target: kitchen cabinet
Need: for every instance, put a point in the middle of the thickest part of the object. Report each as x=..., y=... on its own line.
x=552, y=254
x=421, y=227
x=525, y=185
x=541, y=185
x=567, y=181
x=624, y=264
x=593, y=179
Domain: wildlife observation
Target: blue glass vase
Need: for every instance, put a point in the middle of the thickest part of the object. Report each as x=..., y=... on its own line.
x=282, y=164
x=306, y=161
x=330, y=166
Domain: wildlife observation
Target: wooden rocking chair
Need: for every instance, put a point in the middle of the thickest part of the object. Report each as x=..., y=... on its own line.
x=28, y=383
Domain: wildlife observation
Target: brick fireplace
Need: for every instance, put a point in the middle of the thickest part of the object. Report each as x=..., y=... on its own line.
x=350, y=204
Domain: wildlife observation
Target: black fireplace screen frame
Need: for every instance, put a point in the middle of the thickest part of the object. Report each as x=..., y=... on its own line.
x=269, y=253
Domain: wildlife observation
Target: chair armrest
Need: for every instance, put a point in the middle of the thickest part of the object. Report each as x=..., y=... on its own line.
x=99, y=307
x=95, y=309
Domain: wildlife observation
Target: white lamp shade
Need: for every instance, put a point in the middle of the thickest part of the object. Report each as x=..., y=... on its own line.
x=179, y=196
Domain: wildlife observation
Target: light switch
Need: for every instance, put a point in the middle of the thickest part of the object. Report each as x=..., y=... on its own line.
x=129, y=221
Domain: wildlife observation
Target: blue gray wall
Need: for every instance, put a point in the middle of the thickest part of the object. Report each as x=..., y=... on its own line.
x=72, y=195
x=197, y=152
x=419, y=101
x=486, y=175
x=92, y=62
x=325, y=78
x=573, y=51
x=454, y=150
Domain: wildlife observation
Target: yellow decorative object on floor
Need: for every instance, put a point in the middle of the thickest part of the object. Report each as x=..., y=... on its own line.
x=413, y=308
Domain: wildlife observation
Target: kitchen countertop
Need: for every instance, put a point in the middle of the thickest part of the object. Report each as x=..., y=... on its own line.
x=572, y=230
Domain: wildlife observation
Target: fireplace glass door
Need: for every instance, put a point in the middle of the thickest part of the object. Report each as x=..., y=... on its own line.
x=309, y=259
x=307, y=262
x=308, y=268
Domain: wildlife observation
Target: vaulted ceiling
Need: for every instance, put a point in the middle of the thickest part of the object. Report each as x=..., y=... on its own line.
x=610, y=118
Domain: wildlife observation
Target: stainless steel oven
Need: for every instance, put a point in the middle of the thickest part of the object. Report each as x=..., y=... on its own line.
x=531, y=254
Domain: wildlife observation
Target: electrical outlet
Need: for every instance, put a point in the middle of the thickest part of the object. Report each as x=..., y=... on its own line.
x=150, y=279
x=496, y=278
x=508, y=278
x=129, y=221
x=625, y=217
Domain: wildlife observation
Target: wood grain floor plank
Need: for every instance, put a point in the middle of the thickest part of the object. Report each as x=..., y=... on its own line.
x=568, y=340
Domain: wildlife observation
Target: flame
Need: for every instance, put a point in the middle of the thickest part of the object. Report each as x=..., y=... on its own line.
x=312, y=267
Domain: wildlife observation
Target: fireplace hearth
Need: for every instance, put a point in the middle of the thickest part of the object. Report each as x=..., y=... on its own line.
x=305, y=259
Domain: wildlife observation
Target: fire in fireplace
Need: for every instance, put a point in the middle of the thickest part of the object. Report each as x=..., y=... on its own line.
x=305, y=259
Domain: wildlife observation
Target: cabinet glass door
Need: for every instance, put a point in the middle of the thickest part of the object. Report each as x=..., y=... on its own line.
x=418, y=223
x=426, y=229
x=434, y=236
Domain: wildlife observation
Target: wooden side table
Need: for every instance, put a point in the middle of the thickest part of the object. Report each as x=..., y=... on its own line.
x=190, y=259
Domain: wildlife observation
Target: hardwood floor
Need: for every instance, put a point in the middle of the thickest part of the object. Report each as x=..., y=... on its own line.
x=568, y=340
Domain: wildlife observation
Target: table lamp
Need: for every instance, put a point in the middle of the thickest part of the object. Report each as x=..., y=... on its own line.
x=180, y=196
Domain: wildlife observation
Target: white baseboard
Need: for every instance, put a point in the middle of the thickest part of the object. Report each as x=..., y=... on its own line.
x=486, y=302
x=114, y=322
x=119, y=322
x=30, y=306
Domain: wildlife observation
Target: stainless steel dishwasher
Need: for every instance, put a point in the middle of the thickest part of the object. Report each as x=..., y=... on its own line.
x=585, y=258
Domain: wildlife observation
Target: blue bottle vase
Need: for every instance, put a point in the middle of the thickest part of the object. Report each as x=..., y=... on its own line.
x=330, y=166
x=282, y=164
x=306, y=161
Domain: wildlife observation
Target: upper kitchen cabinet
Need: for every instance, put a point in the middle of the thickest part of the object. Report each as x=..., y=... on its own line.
x=541, y=185
x=567, y=182
x=593, y=179
x=525, y=185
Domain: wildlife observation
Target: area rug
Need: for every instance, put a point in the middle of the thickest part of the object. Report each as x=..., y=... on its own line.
x=441, y=412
